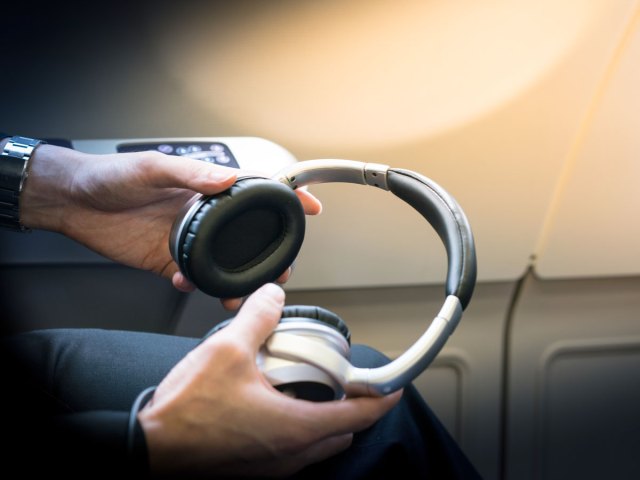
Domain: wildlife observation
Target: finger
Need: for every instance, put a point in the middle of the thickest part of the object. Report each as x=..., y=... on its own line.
x=259, y=315
x=310, y=203
x=347, y=416
x=285, y=276
x=180, y=282
x=231, y=303
x=167, y=171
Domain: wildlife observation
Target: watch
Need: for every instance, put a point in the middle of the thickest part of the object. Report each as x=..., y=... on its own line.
x=14, y=161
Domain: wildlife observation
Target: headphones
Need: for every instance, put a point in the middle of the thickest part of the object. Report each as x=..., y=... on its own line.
x=231, y=243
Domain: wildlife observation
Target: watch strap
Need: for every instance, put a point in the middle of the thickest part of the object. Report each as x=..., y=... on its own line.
x=14, y=161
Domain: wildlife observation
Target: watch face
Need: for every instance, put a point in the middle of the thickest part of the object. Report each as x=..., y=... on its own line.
x=212, y=152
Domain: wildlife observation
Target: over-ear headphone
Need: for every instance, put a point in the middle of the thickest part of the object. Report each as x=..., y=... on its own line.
x=230, y=244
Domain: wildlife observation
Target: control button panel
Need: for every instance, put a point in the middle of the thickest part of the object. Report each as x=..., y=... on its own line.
x=212, y=152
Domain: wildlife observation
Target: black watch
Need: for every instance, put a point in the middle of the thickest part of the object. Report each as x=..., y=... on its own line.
x=14, y=161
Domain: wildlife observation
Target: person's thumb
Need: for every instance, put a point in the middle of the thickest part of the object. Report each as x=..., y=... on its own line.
x=182, y=172
x=259, y=314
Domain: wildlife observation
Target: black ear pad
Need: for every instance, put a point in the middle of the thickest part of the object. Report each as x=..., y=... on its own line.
x=243, y=238
x=318, y=314
x=306, y=312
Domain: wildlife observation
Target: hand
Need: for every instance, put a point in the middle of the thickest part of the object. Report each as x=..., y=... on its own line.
x=123, y=205
x=216, y=414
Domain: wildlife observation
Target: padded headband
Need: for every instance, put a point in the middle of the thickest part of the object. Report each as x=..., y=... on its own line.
x=449, y=222
x=424, y=195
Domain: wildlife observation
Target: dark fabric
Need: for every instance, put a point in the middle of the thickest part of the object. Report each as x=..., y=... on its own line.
x=408, y=443
x=82, y=383
x=94, y=369
x=93, y=438
x=68, y=392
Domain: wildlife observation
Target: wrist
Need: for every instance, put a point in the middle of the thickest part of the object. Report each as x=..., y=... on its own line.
x=45, y=195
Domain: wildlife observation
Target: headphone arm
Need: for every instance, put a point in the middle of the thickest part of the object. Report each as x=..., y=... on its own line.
x=379, y=381
x=334, y=170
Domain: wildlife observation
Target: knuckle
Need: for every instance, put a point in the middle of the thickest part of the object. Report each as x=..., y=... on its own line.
x=303, y=436
x=149, y=159
x=227, y=348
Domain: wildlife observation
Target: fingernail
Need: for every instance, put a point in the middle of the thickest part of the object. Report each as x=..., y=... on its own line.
x=221, y=175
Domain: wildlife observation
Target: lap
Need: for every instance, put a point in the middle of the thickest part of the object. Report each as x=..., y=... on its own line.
x=78, y=370
x=88, y=369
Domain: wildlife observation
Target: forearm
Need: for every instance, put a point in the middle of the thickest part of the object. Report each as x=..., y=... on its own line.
x=120, y=205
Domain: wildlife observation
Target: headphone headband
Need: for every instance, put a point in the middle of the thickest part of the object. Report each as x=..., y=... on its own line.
x=447, y=218
x=332, y=171
x=423, y=194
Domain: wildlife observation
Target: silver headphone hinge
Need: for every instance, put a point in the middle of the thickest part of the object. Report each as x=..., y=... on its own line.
x=375, y=174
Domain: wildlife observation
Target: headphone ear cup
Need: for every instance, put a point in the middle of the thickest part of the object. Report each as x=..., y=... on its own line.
x=301, y=313
x=298, y=378
x=242, y=238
